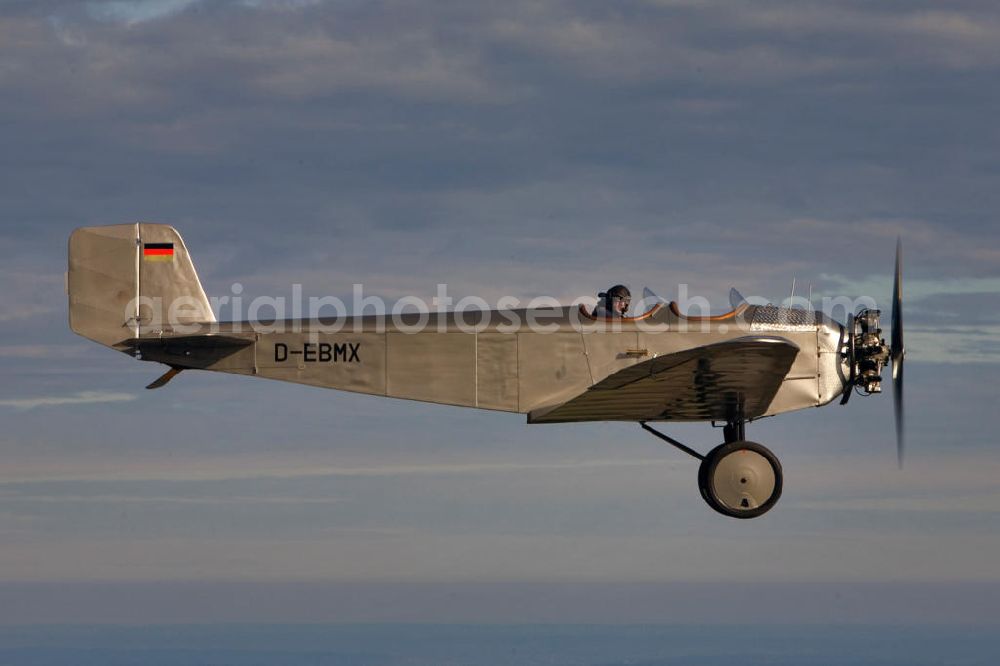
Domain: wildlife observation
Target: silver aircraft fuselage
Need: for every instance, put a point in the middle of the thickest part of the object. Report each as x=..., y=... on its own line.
x=478, y=361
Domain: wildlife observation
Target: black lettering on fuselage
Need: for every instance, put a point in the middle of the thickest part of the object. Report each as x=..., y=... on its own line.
x=320, y=352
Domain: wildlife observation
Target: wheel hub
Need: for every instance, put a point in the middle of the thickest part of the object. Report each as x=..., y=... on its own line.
x=744, y=480
x=740, y=479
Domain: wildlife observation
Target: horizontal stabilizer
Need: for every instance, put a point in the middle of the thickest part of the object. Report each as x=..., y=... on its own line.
x=192, y=351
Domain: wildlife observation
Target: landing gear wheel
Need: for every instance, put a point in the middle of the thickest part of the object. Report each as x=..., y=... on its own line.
x=740, y=479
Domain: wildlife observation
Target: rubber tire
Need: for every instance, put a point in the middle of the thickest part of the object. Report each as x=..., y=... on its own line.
x=712, y=460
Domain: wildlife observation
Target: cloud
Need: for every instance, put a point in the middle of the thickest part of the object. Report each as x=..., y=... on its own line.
x=80, y=398
x=26, y=311
x=28, y=293
x=913, y=289
x=223, y=471
x=953, y=343
x=122, y=499
x=131, y=12
x=986, y=502
x=43, y=351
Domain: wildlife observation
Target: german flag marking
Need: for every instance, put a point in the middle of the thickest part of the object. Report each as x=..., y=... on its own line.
x=158, y=251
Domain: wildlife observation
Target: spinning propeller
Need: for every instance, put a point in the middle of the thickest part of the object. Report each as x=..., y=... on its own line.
x=897, y=352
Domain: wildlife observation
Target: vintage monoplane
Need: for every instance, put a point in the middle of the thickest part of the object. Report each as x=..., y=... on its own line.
x=133, y=287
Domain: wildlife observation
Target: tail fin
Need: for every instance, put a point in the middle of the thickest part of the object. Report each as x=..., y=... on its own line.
x=130, y=280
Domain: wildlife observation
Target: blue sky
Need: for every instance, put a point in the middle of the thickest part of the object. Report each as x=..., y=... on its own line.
x=519, y=148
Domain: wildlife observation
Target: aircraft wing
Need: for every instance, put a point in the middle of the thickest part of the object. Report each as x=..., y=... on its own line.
x=712, y=382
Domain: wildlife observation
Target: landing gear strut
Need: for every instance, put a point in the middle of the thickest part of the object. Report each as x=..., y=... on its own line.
x=738, y=478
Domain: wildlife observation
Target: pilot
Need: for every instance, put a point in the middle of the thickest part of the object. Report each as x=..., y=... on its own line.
x=614, y=302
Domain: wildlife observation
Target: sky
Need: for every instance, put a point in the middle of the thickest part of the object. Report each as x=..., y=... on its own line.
x=522, y=149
